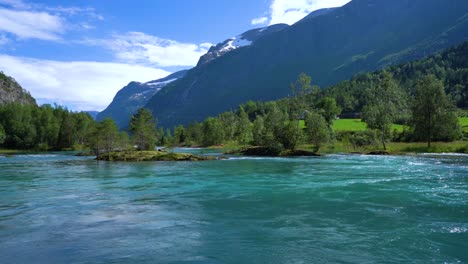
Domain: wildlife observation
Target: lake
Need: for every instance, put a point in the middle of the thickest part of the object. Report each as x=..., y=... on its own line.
x=58, y=208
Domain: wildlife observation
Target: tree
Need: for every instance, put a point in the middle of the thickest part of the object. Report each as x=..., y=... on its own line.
x=229, y=123
x=143, y=128
x=317, y=131
x=243, y=133
x=194, y=133
x=106, y=138
x=384, y=104
x=2, y=135
x=258, y=131
x=432, y=112
x=179, y=135
x=329, y=109
x=212, y=131
x=274, y=123
x=168, y=138
x=290, y=132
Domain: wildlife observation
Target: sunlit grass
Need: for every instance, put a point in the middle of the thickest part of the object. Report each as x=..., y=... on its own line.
x=463, y=123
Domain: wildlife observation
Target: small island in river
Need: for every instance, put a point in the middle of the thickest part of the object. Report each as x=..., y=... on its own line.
x=152, y=156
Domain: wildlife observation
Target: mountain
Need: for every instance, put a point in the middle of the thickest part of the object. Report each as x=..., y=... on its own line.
x=11, y=91
x=134, y=96
x=245, y=39
x=329, y=45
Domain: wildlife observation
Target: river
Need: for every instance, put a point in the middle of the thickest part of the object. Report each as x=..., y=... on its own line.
x=58, y=208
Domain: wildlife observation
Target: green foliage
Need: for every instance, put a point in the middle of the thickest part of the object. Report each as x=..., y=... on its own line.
x=168, y=138
x=329, y=109
x=2, y=134
x=143, y=127
x=449, y=66
x=362, y=139
x=194, y=134
x=288, y=134
x=43, y=128
x=432, y=112
x=105, y=138
x=317, y=130
x=384, y=104
x=212, y=132
x=243, y=129
x=229, y=122
x=301, y=91
x=259, y=132
x=180, y=135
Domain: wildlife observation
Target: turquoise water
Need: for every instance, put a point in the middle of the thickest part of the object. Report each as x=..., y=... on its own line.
x=346, y=209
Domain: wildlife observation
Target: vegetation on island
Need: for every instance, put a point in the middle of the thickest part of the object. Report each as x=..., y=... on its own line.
x=147, y=155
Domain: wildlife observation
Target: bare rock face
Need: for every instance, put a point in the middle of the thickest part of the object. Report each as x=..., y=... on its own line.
x=12, y=92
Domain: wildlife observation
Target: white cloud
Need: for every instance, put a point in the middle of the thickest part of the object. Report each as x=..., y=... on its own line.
x=291, y=11
x=81, y=85
x=137, y=47
x=259, y=20
x=206, y=45
x=38, y=21
x=27, y=24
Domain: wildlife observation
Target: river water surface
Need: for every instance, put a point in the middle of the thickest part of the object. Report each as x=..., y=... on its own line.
x=57, y=208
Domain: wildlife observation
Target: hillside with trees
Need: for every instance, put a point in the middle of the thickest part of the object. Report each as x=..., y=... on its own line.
x=421, y=95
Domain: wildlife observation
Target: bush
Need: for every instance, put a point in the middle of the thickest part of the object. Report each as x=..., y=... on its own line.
x=359, y=139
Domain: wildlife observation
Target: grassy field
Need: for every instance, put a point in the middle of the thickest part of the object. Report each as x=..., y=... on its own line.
x=396, y=147
x=464, y=123
x=12, y=151
x=356, y=125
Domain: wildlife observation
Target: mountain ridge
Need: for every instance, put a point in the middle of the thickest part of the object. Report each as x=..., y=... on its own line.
x=134, y=96
x=363, y=35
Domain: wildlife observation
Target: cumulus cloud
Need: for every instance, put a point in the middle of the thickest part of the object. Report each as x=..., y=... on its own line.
x=141, y=48
x=259, y=21
x=291, y=11
x=37, y=21
x=81, y=85
x=26, y=24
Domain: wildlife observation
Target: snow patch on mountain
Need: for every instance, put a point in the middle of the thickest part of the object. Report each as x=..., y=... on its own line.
x=246, y=39
x=234, y=43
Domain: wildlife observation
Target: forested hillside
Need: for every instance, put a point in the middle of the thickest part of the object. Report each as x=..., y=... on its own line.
x=449, y=66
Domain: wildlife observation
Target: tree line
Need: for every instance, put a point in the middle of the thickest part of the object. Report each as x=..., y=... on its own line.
x=53, y=127
x=422, y=95
x=26, y=126
x=307, y=116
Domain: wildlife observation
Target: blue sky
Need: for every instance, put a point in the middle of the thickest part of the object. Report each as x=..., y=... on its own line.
x=80, y=53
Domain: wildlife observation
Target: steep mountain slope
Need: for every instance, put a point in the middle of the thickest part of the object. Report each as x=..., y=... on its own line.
x=134, y=96
x=245, y=39
x=330, y=46
x=11, y=91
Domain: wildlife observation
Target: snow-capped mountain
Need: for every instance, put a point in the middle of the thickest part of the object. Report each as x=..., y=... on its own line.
x=134, y=96
x=245, y=39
